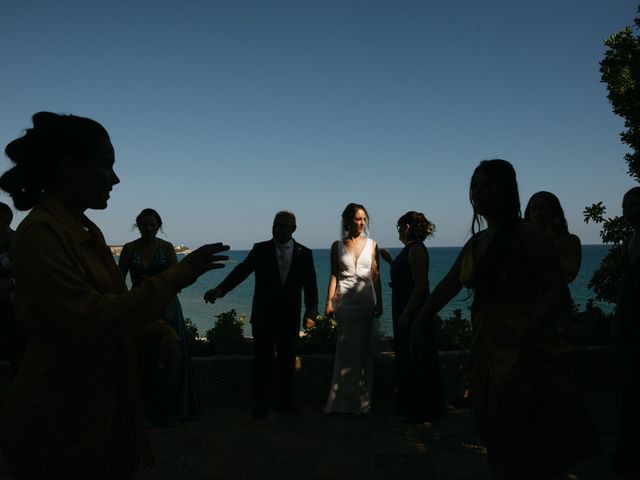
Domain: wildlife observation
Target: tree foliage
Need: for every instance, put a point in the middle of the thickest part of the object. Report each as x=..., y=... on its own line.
x=620, y=71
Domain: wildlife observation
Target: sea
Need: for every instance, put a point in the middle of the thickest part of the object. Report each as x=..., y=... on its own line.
x=441, y=259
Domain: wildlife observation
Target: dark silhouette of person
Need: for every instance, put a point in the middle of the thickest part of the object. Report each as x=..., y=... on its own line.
x=283, y=268
x=530, y=415
x=168, y=395
x=625, y=461
x=419, y=390
x=11, y=340
x=72, y=410
x=544, y=210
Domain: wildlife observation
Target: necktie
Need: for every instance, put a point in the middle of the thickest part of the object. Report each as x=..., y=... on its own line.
x=282, y=261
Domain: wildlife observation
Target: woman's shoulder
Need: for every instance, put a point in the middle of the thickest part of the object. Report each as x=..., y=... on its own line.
x=128, y=247
x=165, y=245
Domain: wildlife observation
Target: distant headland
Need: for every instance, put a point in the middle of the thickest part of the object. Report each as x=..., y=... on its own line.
x=116, y=249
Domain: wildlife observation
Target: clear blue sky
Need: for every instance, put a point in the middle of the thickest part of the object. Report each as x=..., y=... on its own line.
x=223, y=112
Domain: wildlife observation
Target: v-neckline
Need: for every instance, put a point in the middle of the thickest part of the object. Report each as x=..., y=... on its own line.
x=355, y=259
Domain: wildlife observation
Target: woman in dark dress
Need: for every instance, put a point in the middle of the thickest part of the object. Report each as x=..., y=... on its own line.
x=418, y=381
x=168, y=394
x=627, y=313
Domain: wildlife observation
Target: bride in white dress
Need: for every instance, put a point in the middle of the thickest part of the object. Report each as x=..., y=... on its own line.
x=354, y=297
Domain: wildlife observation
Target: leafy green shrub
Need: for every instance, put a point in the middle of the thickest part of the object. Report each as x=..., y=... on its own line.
x=191, y=331
x=321, y=338
x=454, y=333
x=198, y=347
x=226, y=337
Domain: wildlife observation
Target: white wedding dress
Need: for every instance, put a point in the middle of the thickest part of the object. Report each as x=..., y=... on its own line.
x=353, y=304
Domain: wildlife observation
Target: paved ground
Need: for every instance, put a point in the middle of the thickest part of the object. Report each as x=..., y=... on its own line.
x=225, y=443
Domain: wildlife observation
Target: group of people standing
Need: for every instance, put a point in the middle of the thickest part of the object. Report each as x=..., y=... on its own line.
x=73, y=408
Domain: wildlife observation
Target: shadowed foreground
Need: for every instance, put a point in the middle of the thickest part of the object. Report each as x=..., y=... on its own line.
x=226, y=443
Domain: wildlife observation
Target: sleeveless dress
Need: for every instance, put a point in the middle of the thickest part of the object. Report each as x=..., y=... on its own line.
x=153, y=389
x=354, y=304
x=419, y=389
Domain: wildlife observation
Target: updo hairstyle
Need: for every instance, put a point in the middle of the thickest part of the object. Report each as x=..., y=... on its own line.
x=39, y=154
x=419, y=226
x=149, y=212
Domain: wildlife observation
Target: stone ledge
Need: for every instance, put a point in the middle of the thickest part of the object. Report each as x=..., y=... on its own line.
x=226, y=379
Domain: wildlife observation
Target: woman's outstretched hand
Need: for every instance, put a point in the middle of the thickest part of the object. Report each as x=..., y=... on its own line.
x=201, y=260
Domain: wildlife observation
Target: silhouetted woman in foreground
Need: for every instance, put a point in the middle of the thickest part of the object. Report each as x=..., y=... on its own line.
x=168, y=392
x=72, y=411
x=625, y=461
x=531, y=418
x=418, y=381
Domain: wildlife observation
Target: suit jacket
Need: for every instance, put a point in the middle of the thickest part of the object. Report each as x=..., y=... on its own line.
x=276, y=305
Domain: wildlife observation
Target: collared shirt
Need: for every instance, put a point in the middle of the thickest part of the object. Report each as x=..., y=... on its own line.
x=284, y=254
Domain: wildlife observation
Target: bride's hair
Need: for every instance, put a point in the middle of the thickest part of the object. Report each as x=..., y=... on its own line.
x=348, y=214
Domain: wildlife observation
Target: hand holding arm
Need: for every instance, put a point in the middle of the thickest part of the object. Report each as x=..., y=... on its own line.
x=442, y=294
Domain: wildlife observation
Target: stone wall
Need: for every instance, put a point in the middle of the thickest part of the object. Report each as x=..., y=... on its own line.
x=226, y=379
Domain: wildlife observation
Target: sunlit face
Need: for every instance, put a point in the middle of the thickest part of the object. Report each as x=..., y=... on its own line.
x=482, y=193
x=148, y=226
x=358, y=223
x=283, y=228
x=631, y=209
x=540, y=211
x=95, y=178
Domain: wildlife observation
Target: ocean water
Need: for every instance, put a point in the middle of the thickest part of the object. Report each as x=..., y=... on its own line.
x=441, y=259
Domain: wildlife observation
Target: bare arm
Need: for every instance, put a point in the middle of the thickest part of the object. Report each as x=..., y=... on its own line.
x=375, y=272
x=333, y=280
x=418, y=267
x=124, y=262
x=448, y=288
x=572, y=258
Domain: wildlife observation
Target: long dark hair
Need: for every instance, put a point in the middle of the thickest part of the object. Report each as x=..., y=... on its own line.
x=497, y=261
x=558, y=220
x=506, y=199
x=39, y=154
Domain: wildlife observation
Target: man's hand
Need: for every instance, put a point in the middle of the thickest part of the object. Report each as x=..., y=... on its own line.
x=309, y=322
x=212, y=295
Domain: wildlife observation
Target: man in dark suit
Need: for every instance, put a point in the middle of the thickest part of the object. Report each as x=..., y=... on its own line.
x=283, y=269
